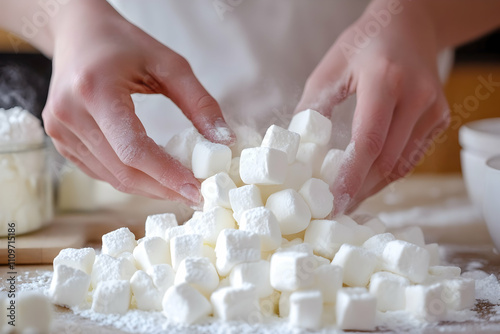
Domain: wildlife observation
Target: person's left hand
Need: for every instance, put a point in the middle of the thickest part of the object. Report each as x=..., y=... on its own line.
x=400, y=105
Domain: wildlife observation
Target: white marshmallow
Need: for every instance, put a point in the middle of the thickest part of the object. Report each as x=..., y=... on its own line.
x=312, y=155
x=291, y=271
x=377, y=243
x=322, y=261
x=306, y=308
x=184, y=304
x=244, y=198
x=69, y=286
x=361, y=234
x=209, y=252
x=33, y=313
x=199, y=273
x=175, y=231
x=150, y=251
x=118, y=241
x=459, y=293
x=266, y=191
x=210, y=223
x=147, y=295
x=163, y=276
x=433, y=250
x=326, y=236
x=255, y=273
x=390, y=290
x=236, y=303
x=411, y=234
x=376, y=225
x=296, y=246
x=263, y=165
x=183, y=246
x=281, y=139
x=234, y=247
x=284, y=304
x=215, y=191
x=331, y=165
x=109, y=268
x=425, y=301
x=296, y=175
x=406, y=259
x=346, y=220
x=157, y=225
x=445, y=272
x=355, y=309
x=290, y=209
x=312, y=127
x=181, y=145
x=262, y=222
x=357, y=264
x=269, y=306
x=111, y=297
x=210, y=158
x=318, y=197
x=328, y=280
x=82, y=259
x=234, y=172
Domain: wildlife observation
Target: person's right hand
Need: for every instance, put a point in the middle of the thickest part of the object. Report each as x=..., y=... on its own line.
x=99, y=60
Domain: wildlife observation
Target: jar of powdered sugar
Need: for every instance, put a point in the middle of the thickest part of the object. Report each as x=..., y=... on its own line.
x=26, y=195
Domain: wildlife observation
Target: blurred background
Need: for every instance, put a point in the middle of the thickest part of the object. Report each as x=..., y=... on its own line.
x=25, y=76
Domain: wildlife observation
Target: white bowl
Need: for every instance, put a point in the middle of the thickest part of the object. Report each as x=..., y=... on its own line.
x=491, y=199
x=480, y=140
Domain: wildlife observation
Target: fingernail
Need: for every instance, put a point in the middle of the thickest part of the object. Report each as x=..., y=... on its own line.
x=341, y=203
x=191, y=192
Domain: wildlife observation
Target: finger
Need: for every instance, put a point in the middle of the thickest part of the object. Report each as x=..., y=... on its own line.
x=372, y=118
x=174, y=78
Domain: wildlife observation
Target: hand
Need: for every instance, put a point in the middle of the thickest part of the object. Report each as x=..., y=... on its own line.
x=400, y=102
x=100, y=59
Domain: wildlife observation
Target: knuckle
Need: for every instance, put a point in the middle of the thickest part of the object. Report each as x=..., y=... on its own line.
x=85, y=83
x=179, y=62
x=125, y=180
x=205, y=102
x=59, y=109
x=129, y=154
x=51, y=128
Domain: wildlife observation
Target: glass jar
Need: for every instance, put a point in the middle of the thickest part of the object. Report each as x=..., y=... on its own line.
x=26, y=191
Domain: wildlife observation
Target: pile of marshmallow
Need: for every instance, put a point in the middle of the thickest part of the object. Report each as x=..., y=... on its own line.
x=262, y=247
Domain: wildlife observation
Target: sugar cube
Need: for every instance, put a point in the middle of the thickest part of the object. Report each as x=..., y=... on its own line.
x=291, y=271
x=318, y=197
x=312, y=127
x=82, y=259
x=281, y=139
x=331, y=165
x=236, y=303
x=210, y=223
x=263, y=165
x=255, y=273
x=147, y=295
x=355, y=309
x=183, y=246
x=118, y=241
x=290, y=209
x=306, y=308
x=111, y=297
x=326, y=236
x=69, y=286
x=150, y=251
x=210, y=158
x=157, y=225
x=406, y=259
x=262, y=222
x=199, y=273
x=184, y=304
x=234, y=247
x=215, y=191
x=357, y=264
x=390, y=290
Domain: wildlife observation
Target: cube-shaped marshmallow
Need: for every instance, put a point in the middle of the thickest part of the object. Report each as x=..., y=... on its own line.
x=109, y=268
x=175, y=231
x=147, y=295
x=163, y=276
x=263, y=165
x=284, y=304
x=328, y=280
x=181, y=145
x=361, y=234
x=312, y=155
x=312, y=127
x=215, y=191
x=209, y=252
x=244, y=198
x=210, y=158
x=290, y=209
x=255, y=273
x=184, y=304
x=390, y=290
x=210, y=223
x=234, y=172
x=234, y=247
x=426, y=301
x=111, y=297
x=199, y=272
x=296, y=175
x=377, y=243
x=355, y=309
x=262, y=222
x=118, y=241
x=434, y=258
x=326, y=236
x=406, y=259
x=459, y=293
x=376, y=225
x=331, y=165
x=183, y=246
x=413, y=234
x=69, y=286
x=318, y=197
x=150, y=251
x=157, y=225
x=82, y=259
x=306, y=309
x=445, y=272
x=281, y=139
x=357, y=264
x=236, y=303
x=292, y=271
